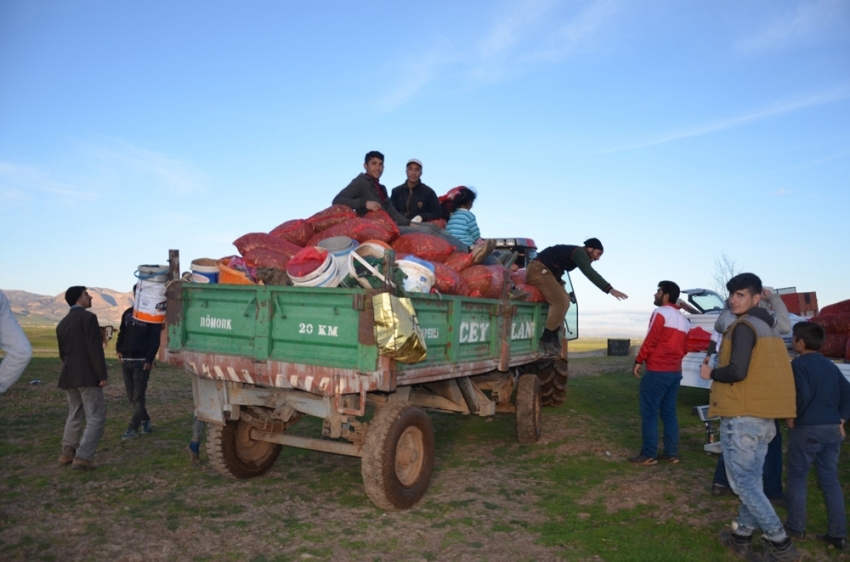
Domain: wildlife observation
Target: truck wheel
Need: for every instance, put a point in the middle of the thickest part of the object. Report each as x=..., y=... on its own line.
x=553, y=382
x=398, y=456
x=528, y=421
x=234, y=454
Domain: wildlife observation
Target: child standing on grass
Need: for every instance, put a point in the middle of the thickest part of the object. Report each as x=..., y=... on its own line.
x=823, y=405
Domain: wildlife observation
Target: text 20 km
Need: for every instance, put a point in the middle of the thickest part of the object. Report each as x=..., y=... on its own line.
x=320, y=329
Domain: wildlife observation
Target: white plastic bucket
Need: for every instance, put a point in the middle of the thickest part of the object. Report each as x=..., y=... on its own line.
x=204, y=270
x=324, y=276
x=340, y=247
x=149, y=300
x=369, y=249
x=420, y=276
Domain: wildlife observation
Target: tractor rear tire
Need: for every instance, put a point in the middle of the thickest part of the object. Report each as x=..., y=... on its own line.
x=553, y=377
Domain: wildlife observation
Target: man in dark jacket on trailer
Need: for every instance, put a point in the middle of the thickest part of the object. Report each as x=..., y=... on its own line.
x=365, y=193
x=82, y=378
x=415, y=200
x=136, y=348
x=546, y=272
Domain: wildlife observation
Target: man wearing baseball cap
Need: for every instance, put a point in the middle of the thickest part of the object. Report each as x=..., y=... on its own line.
x=415, y=200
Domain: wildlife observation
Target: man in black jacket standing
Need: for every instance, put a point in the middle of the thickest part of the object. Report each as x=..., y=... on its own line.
x=82, y=378
x=136, y=348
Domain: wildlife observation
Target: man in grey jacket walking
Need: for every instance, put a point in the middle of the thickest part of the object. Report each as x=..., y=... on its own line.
x=82, y=378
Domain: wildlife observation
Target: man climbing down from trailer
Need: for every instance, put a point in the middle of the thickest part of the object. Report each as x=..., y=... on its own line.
x=546, y=272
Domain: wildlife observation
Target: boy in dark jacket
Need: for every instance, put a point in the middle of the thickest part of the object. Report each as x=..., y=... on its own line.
x=823, y=405
x=137, y=345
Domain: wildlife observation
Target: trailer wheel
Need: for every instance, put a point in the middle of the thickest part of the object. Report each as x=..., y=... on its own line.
x=553, y=382
x=234, y=454
x=528, y=420
x=398, y=456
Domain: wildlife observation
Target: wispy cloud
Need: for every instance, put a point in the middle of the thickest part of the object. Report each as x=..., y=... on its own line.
x=773, y=110
x=164, y=171
x=780, y=192
x=526, y=33
x=809, y=20
x=17, y=180
x=513, y=27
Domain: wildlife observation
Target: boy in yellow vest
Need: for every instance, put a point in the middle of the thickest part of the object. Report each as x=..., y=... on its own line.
x=753, y=386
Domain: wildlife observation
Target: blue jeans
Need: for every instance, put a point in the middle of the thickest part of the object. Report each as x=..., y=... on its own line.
x=771, y=473
x=743, y=441
x=658, y=391
x=818, y=444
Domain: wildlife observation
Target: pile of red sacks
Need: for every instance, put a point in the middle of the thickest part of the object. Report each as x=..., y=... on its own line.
x=835, y=319
x=454, y=272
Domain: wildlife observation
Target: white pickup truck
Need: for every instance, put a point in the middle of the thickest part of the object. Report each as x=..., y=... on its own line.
x=702, y=307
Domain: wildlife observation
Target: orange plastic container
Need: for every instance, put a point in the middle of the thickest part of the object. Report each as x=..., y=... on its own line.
x=229, y=276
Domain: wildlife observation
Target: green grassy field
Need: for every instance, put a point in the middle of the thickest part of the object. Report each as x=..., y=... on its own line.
x=572, y=496
x=43, y=341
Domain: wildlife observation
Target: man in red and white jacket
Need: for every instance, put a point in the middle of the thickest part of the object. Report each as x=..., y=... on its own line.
x=662, y=351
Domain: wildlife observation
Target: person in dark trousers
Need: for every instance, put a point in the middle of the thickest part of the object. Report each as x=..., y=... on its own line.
x=546, y=272
x=415, y=200
x=662, y=351
x=752, y=387
x=82, y=378
x=136, y=347
x=816, y=435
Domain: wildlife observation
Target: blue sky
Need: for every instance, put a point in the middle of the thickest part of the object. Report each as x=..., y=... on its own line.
x=673, y=131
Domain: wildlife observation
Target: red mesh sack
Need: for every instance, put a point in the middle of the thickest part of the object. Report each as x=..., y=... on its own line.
x=356, y=229
x=698, y=340
x=842, y=307
x=256, y=240
x=297, y=231
x=440, y=223
x=536, y=294
x=459, y=260
x=486, y=279
x=518, y=277
x=834, y=345
x=306, y=261
x=261, y=257
x=448, y=281
x=425, y=246
x=381, y=217
x=835, y=318
x=334, y=214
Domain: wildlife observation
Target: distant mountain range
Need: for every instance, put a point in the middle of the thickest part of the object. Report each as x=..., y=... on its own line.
x=44, y=310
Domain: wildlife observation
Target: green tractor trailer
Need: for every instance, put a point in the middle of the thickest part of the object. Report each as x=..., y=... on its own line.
x=263, y=357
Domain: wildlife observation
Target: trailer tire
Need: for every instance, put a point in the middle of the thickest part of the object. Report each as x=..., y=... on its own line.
x=234, y=454
x=528, y=420
x=398, y=456
x=553, y=377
